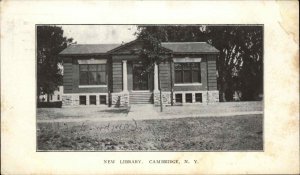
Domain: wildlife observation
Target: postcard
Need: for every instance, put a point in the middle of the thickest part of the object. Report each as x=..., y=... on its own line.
x=134, y=87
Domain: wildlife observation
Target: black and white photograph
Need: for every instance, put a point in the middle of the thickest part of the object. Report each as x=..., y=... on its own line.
x=149, y=87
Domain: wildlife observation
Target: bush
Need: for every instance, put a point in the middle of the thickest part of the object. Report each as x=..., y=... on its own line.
x=56, y=104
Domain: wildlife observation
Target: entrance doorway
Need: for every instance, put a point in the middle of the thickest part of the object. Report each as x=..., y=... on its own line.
x=140, y=78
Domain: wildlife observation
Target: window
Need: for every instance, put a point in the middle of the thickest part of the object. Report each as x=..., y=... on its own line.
x=58, y=97
x=198, y=97
x=178, y=98
x=102, y=99
x=187, y=73
x=92, y=74
x=188, y=98
x=82, y=100
x=51, y=97
x=92, y=99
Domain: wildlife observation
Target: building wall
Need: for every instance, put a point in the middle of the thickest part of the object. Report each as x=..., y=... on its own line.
x=72, y=89
x=71, y=77
x=129, y=76
x=201, y=87
x=208, y=73
x=68, y=75
x=212, y=72
x=72, y=99
x=208, y=86
x=165, y=76
x=117, y=77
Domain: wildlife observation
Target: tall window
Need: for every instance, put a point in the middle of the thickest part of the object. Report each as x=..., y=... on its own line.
x=187, y=73
x=92, y=74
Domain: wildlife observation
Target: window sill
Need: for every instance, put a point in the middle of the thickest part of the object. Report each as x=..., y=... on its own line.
x=188, y=84
x=91, y=86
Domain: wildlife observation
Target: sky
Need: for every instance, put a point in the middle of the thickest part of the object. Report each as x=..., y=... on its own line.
x=100, y=34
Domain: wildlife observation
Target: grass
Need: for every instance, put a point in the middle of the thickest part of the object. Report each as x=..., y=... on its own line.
x=189, y=134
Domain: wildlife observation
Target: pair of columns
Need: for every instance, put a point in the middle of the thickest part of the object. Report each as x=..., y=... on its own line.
x=125, y=85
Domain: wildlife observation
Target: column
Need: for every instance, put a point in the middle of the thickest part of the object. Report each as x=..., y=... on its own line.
x=156, y=78
x=125, y=89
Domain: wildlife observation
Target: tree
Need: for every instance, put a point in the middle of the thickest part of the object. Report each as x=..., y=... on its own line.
x=152, y=52
x=240, y=63
x=50, y=42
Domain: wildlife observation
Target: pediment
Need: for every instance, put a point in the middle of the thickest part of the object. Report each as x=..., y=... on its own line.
x=133, y=47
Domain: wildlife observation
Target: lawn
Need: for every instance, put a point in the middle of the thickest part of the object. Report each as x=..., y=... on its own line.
x=181, y=134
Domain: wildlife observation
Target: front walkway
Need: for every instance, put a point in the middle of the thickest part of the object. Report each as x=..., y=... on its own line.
x=148, y=112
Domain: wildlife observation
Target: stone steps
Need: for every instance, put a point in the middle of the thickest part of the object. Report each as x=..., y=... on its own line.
x=140, y=98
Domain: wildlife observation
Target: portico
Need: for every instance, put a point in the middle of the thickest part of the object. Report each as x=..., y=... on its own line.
x=138, y=85
x=139, y=82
